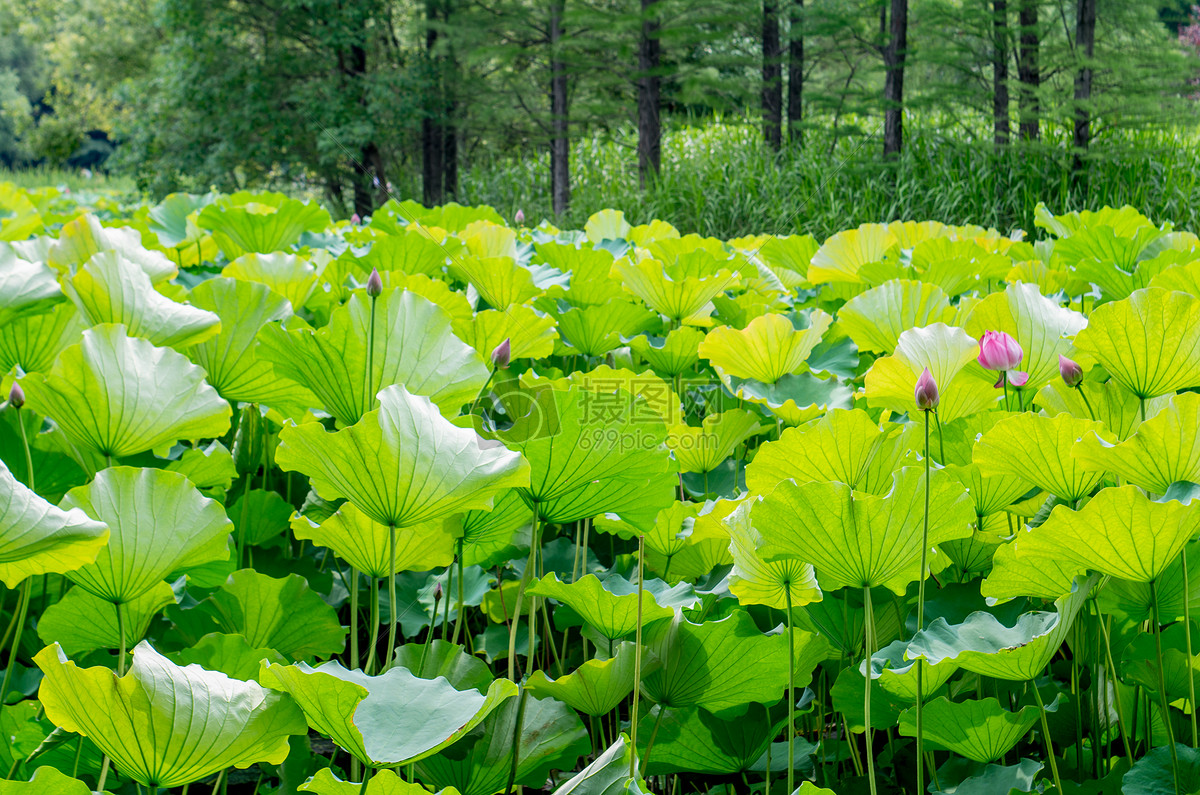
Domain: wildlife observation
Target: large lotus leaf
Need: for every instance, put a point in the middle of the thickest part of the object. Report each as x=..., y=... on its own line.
x=289, y=276
x=671, y=355
x=46, y=781
x=779, y=584
x=1139, y=662
x=79, y=240
x=794, y=399
x=898, y=675
x=413, y=346
x=230, y=359
x=410, y=252
x=788, y=257
x=718, y=665
x=1109, y=402
x=949, y=353
x=697, y=559
x=264, y=222
x=609, y=773
x=855, y=539
x=693, y=740
x=617, y=386
x=259, y=516
x=1040, y=325
x=81, y=622
x=364, y=543
x=488, y=535
x=403, y=463
x=21, y=217
x=628, y=508
x=679, y=290
x=769, y=348
x=1098, y=255
x=991, y=494
x=1120, y=532
x=1165, y=448
x=1018, y=778
x=111, y=289
x=1014, y=575
x=589, y=269
x=499, y=280
x=38, y=538
x=843, y=255
x=958, y=265
x=159, y=524
x=983, y=644
x=26, y=288
x=1184, y=278
x=610, y=606
x=530, y=334
x=1149, y=342
x=596, y=330
x=32, y=342
x=229, y=654
x=1154, y=773
x=166, y=725
x=173, y=221
x=673, y=528
x=846, y=446
x=875, y=319
x=552, y=738
x=448, y=660
x=703, y=449
x=1038, y=449
x=981, y=730
x=386, y=720
x=208, y=467
x=121, y=395
x=594, y=688
x=380, y=782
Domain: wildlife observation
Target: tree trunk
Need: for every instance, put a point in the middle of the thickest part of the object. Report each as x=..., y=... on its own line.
x=449, y=76
x=1085, y=36
x=772, y=76
x=648, y=85
x=795, y=106
x=370, y=182
x=433, y=139
x=1000, y=73
x=1027, y=70
x=560, y=143
x=893, y=81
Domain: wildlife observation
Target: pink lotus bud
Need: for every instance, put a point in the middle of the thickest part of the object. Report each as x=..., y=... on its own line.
x=1070, y=371
x=355, y=219
x=16, y=398
x=519, y=217
x=374, y=284
x=926, y=392
x=999, y=351
x=1018, y=378
x=502, y=354
x=437, y=592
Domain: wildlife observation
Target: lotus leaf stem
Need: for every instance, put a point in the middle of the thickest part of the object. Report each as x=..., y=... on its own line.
x=534, y=542
x=458, y=616
x=1046, y=736
x=22, y=612
x=391, y=578
x=637, y=660
x=1187, y=634
x=791, y=774
x=1162, y=679
x=868, y=641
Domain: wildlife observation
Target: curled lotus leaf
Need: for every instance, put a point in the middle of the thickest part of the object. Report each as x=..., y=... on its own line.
x=1164, y=449
x=769, y=348
x=1038, y=449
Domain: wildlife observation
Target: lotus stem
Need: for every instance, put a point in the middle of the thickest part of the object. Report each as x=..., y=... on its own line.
x=791, y=774
x=1087, y=403
x=429, y=634
x=516, y=743
x=637, y=660
x=486, y=384
x=245, y=518
x=458, y=616
x=1075, y=688
x=1004, y=381
x=1187, y=634
x=868, y=641
x=1108, y=658
x=374, y=641
x=534, y=542
x=22, y=612
x=391, y=577
x=368, y=397
x=28, y=453
x=921, y=611
x=121, y=632
x=1046, y=736
x=353, y=618
x=100, y=782
x=1162, y=679
x=662, y=710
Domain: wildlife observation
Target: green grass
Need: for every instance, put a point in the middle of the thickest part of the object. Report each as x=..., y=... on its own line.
x=42, y=177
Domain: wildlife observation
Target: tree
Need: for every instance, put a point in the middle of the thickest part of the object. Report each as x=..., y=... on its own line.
x=1085, y=39
x=1028, y=77
x=1000, y=122
x=649, y=89
x=772, y=76
x=795, y=102
x=893, y=82
x=560, y=143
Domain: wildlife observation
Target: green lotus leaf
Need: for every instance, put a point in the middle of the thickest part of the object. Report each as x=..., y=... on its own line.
x=386, y=720
x=1154, y=773
x=898, y=675
x=363, y=543
x=488, y=535
x=1108, y=402
x=32, y=342
x=1100, y=255
x=263, y=222
x=854, y=539
x=1184, y=278
x=809, y=788
x=81, y=622
x=208, y=467
x=991, y=494
x=1163, y=450
x=159, y=524
x=38, y=538
x=81, y=239
x=981, y=730
x=608, y=773
x=779, y=584
x=382, y=782
x=842, y=256
x=401, y=464
x=983, y=644
x=794, y=399
x=120, y=395
x=448, y=660
x=671, y=355
x=1017, y=778
x=452, y=216
x=847, y=696
x=21, y=217
x=678, y=290
x=1124, y=221
x=232, y=655
x=1149, y=342
x=606, y=225
x=949, y=353
x=610, y=606
x=594, y=688
x=410, y=252
x=875, y=319
x=46, y=781
x=1040, y=325
x=788, y=257
x=589, y=269
x=703, y=449
x=282, y=614
x=111, y=289
x=230, y=359
x=596, y=330
x=693, y=740
x=289, y=276
x=1038, y=449
x=766, y=350
x=266, y=516
x=155, y=736
x=846, y=446
x=718, y=665
x=673, y=528
x=531, y=335
x=958, y=265
x=173, y=221
x=552, y=738
x=26, y=288
x=620, y=505
x=500, y=281
x=413, y=346
x=1139, y=662
x=1014, y=575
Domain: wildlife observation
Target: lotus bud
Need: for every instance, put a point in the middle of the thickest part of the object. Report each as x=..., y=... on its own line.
x=999, y=351
x=502, y=354
x=356, y=219
x=374, y=284
x=1018, y=378
x=926, y=392
x=437, y=592
x=1070, y=371
x=519, y=217
x=16, y=398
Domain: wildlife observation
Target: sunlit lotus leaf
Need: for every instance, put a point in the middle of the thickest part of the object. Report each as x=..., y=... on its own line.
x=46, y=781
x=81, y=622
x=589, y=268
x=854, y=539
x=949, y=353
x=1164, y=449
x=898, y=675
x=789, y=257
x=617, y=386
x=402, y=464
x=413, y=346
x=38, y=538
x=768, y=349
x=229, y=654
x=381, y=782
x=288, y=275
x=982, y=644
x=1124, y=221
x=531, y=334
x=844, y=446
x=159, y=524
x=596, y=330
x=363, y=543
x=173, y=219
x=1109, y=402
x=230, y=359
x=21, y=218
x=703, y=449
x=166, y=725
x=26, y=288
x=843, y=255
x=489, y=536
x=386, y=720
x=678, y=290
x=32, y=342
x=671, y=355
x=452, y=216
x=1038, y=449
x=594, y=688
x=614, y=502
x=981, y=730
x=991, y=494
x=606, y=225
x=262, y=222
x=499, y=280
x=258, y=516
x=780, y=584
x=956, y=266
x=1014, y=575
x=876, y=318
x=208, y=467
x=1106, y=257
x=794, y=399
x=1149, y=342
x=486, y=238
x=1181, y=278
x=1041, y=327
x=79, y=240
x=610, y=606
x=121, y=395
x=410, y=252
x=609, y=773
x=698, y=559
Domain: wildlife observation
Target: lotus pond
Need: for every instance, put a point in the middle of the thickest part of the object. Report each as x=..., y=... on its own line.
x=431, y=502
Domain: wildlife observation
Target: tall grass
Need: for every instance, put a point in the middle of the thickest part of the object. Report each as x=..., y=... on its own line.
x=73, y=179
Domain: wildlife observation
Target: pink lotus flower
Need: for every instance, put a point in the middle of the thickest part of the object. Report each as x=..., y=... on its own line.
x=374, y=284
x=355, y=219
x=1070, y=371
x=519, y=217
x=502, y=354
x=16, y=398
x=998, y=351
x=926, y=392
